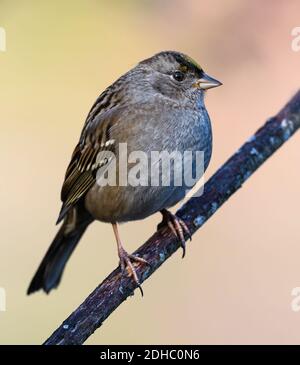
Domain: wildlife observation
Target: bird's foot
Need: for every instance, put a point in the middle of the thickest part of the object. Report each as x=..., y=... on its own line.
x=127, y=266
x=177, y=226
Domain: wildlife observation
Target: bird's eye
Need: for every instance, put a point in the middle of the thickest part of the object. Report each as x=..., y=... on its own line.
x=178, y=76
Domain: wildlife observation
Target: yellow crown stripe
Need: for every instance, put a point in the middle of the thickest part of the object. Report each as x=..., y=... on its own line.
x=193, y=62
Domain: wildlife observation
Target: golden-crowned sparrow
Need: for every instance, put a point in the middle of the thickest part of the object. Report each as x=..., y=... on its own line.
x=156, y=106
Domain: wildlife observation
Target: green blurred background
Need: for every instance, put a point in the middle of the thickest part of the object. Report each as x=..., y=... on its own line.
x=234, y=286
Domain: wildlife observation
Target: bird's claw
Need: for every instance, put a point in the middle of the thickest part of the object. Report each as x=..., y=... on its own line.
x=177, y=226
x=127, y=267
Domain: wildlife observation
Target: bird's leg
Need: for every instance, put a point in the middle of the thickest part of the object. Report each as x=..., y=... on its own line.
x=176, y=225
x=126, y=260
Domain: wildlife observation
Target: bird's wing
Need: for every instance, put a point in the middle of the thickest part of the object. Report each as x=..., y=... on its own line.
x=89, y=155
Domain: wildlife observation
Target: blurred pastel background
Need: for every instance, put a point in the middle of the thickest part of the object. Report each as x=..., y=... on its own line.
x=234, y=286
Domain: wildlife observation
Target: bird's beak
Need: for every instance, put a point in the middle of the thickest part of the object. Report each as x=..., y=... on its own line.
x=206, y=82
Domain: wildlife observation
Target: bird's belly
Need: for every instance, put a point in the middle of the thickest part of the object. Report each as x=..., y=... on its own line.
x=163, y=187
x=127, y=203
x=137, y=201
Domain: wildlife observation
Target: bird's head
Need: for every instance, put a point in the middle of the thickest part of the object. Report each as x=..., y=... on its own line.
x=176, y=75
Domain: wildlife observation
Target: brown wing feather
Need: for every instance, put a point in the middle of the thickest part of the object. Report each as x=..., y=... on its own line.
x=81, y=172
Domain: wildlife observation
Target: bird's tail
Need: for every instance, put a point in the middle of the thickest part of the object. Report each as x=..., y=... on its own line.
x=51, y=268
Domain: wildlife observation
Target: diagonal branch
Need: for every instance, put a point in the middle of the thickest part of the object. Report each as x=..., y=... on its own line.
x=226, y=181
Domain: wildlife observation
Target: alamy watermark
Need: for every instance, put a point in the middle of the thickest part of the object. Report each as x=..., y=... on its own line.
x=2, y=300
x=153, y=168
x=2, y=40
x=296, y=39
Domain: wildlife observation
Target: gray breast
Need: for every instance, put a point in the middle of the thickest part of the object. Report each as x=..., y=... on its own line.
x=150, y=129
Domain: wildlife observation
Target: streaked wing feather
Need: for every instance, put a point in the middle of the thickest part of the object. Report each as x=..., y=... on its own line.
x=81, y=172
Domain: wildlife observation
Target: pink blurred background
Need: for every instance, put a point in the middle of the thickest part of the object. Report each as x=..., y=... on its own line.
x=234, y=286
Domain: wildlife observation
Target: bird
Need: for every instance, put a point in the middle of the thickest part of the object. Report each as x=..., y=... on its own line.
x=158, y=105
